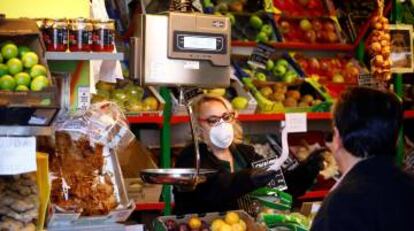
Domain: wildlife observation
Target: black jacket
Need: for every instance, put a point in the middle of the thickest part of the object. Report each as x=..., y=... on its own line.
x=221, y=191
x=374, y=195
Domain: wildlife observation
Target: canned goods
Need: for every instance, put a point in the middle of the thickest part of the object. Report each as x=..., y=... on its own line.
x=55, y=34
x=103, y=35
x=80, y=35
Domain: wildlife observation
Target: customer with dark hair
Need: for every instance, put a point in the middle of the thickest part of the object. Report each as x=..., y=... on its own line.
x=373, y=193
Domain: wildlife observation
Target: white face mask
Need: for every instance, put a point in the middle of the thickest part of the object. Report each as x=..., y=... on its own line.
x=222, y=135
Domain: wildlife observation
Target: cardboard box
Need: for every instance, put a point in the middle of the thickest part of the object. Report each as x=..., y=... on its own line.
x=159, y=223
x=26, y=32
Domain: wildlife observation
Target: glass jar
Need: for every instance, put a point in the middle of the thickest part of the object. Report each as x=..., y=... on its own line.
x=103, y=35
x=57, y=35
x=80, y=35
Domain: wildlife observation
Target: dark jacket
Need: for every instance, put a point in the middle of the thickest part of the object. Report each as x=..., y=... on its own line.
x=374, y=195
x=221, y=191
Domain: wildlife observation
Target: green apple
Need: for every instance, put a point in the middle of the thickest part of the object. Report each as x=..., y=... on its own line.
x=4, y=70
x=9, y=51
x=30, y=59
x=103, y=93
x=39, y=83
x=37, y=70
x=23, y=50
x=135, y=92
x=101, y=85
x=119, y=95
x=231, y=18
x=1, y=58
x=270, y=65
x=289, y=77
x=7, y=83
x=22, y=78
x=22, y=88
x=279, y=70
x=267, y=29
x=262, y=37
x=282, y=62
x=239, y=103
x=260, y=76
x=256, y=22
x=15, y=66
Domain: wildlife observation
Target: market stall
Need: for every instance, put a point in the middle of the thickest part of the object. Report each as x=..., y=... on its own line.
x=97, y=103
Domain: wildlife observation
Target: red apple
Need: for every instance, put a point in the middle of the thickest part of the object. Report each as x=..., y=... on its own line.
x=310, y=36
x=332, y=37
x=329, y=26
x=303, y=63
x=324, y=65
x=284, y=27
x=314, y=64
x=316, y=24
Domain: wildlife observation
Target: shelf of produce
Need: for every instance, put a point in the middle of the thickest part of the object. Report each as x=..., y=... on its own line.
x=84, y=55
x=314, y=195
x=150, y=206
x=239, y=45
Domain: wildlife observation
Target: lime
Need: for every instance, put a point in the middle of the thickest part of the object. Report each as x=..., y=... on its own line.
x=30, y=59
x=39, y=83
x=15, y=66
x=23, y=50
x=267, y=29
x=9, y=51
x=4, y=70
x=7, y=83
x=37, y=70
x=22, y=78
x=22, y=88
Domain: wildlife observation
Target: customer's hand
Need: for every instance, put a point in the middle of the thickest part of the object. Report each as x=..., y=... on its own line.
x=261, y=176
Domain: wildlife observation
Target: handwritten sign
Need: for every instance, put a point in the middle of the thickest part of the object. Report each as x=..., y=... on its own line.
x=296, y=122
x=18, y=155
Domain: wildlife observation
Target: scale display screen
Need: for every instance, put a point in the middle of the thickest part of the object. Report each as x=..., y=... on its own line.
x=202, y=43
x=199, y=42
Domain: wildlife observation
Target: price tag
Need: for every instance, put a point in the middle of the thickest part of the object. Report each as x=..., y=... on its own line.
x=367, y=80
x=261, y=54
x=279, y=181
x=18, y=155
x=296, y=122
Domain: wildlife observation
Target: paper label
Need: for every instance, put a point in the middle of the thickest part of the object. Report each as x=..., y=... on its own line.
x=83, y=98
x=18, y=155
x=193, y=65
x=296, y=122
x=279, y=181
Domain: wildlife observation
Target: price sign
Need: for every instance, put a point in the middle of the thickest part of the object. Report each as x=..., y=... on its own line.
x=18, y=155
x=260, y=55
x=296, y=122
x=279, y=181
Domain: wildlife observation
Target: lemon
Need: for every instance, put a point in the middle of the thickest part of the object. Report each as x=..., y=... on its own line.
x=216, y=224
x=225, y=227
x=237, y=227
x=243, y=224
x=194, y=223
x=232, y=218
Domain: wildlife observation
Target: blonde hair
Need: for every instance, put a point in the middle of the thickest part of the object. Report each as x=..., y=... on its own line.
x=238, y=131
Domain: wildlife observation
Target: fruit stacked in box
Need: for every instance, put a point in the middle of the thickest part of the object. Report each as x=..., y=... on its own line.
x=20, y=69
x=236, y=6
x=230, y=221
x=252, y=27
x=131, y=98
x=338, y=69
x=303, y=7
x=322, y=30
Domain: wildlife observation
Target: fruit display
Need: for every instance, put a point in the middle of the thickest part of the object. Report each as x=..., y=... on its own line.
x=309, y=30
x=231, y=221
x=237, y=6
x=303, y=7
x=340, y=69
x=19, y=204
x=252, y=27
x=379, y=46
x=131, y=98
x=20, y=69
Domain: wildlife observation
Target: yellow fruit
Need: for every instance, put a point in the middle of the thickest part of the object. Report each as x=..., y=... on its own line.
x=217, y=91
x=225, y=227
x=243, y=224
x=216, y=224
x=151, y=102
x=237, y=227
x=232, y=218
x=194, y=223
